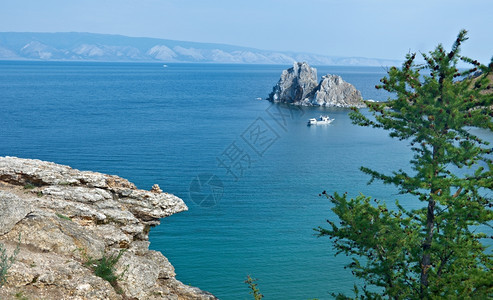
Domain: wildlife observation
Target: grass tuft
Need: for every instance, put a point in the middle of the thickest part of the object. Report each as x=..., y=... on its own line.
x=105, y=267
x=63, y=217
x=6, y=261
x=29, y=186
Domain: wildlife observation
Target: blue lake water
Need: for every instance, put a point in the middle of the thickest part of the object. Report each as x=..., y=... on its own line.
x=187, y=122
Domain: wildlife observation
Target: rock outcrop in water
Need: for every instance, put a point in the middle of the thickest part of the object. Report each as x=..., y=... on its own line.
x=64, y=216
x=298, y=86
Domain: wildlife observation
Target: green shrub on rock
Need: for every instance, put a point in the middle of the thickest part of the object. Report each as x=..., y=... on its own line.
x=6, y=262
x=105, y=267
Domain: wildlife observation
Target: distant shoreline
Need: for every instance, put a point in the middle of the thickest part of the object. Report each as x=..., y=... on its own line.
x=75, y=46
x=171, y=63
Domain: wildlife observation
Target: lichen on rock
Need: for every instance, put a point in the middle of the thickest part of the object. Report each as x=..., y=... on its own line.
x=67, y=215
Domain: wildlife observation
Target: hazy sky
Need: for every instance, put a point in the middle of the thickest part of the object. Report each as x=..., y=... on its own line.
x=368, y=28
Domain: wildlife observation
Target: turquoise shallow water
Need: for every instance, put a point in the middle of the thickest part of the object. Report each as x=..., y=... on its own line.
x=175, y=125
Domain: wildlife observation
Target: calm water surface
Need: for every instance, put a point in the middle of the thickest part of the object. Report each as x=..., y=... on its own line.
x=151, y=124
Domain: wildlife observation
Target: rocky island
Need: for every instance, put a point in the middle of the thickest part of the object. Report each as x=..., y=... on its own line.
x=298, y=86
x=65, y=222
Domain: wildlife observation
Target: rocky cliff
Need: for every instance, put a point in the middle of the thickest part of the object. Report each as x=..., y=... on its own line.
x=298, y=86
x=61, y=218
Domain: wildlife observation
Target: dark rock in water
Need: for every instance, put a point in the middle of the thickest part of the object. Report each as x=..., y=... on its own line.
x=298, y=86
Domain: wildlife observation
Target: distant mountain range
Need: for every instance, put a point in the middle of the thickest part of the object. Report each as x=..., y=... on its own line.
x=75, y=46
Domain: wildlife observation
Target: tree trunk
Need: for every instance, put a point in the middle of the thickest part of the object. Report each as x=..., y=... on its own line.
x=426, y=259
x=430, y=226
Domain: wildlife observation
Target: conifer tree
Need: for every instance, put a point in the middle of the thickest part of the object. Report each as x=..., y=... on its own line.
x=438, y=250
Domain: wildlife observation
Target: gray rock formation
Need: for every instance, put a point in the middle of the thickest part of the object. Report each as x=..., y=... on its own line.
x=333, y=91
x=298, y=86
x=63, y=216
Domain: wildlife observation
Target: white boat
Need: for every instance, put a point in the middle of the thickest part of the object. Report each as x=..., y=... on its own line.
x=322, y=120
x=312, y=121
x=165, y=66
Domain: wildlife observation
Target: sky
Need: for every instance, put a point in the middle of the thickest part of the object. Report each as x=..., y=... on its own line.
x=362, y=28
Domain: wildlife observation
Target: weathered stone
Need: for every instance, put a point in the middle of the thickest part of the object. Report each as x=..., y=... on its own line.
x=68, y=216
x=156, y=189
x=140, y=274
x=298, y=86
x=78, y=194
x=112, y=235
x=166, y=270
x=155, y=206
x=37, y=172
x=74, y=210
x=51, y=233
x=47, y=275
x=187, y=292
x=133, y=229
x=333, y=91
x=139, y=247
x=12, y=209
